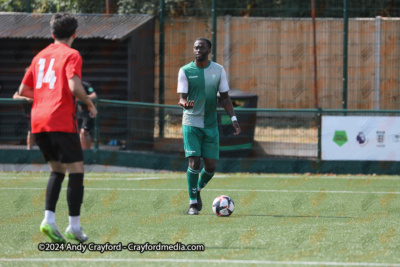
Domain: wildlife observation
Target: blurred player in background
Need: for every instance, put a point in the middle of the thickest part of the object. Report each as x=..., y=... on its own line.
x=27, y=113
x=53, y=80
x=198, y=85
x=85, y=122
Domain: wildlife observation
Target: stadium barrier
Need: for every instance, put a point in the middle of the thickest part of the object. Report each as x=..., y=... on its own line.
x=128, y=134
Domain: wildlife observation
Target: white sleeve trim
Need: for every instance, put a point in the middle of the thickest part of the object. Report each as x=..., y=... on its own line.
x=223, y=83
x=183, y=85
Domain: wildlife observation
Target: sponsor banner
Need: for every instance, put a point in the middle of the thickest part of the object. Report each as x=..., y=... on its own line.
x=360, y=138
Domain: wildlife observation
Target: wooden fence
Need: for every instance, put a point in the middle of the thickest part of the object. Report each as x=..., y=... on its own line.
x=274, y=59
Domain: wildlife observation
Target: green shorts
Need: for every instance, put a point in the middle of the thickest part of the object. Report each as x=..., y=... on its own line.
x=201, y=142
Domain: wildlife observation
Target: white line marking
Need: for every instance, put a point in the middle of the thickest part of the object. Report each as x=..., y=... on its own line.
x=302, y=178
x=314, y=177
x=95, y=179
x=147, y=178
x=203, y=261
x=222, y=189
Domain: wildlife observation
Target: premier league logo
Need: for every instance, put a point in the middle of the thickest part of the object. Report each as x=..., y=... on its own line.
x=380, y=138
x=361, y=139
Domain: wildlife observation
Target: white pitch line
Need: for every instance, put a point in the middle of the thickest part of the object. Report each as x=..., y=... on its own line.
x=203, y=261
x=313, y=177
x=95, y=179
x=149, y=178
x=302, y=178
x=222, y=189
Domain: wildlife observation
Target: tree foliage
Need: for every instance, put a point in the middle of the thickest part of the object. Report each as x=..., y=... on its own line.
x=12, y=6
x=181, y=8
x=53, y=6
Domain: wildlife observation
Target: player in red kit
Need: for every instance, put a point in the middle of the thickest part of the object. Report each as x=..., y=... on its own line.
x=53, y=80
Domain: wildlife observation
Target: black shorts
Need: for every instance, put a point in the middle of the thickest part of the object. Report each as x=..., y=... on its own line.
x=59, y=146
x=85, y=121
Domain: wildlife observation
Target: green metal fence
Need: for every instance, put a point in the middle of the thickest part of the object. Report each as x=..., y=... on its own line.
x=340, y=54
x=303, y=59
x=293, y=54
x=266, y=133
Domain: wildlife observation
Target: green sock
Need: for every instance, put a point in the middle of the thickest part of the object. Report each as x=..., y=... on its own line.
x=205, y=177
x=192, y=178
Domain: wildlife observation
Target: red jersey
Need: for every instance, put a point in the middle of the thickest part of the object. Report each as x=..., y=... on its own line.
x=53, y=108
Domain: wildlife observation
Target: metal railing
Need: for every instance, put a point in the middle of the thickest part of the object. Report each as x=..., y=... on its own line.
x=132, y=126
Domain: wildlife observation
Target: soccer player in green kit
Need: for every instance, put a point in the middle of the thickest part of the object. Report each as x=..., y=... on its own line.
x=198, y=85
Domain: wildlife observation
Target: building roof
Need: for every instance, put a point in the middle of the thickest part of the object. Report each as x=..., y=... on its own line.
x=112, y=27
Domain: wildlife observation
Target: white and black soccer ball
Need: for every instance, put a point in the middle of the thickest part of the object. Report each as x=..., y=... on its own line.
x=223, y=206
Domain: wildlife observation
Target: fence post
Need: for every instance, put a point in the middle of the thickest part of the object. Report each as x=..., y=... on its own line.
x=95, y=155
x=214, y=31
x=227, y=23
x=316, y=104
x=161, y=94
x=319, y=125
x=96, y=127
x=28, y=6
x=377, y=62
x=345, y=52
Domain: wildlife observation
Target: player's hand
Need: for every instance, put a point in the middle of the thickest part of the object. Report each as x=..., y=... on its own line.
x=237, y=127
x=30, y=100
x=93, y=112
x=186, y=104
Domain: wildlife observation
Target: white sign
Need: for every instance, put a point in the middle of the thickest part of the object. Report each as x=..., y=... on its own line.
x=360, y=138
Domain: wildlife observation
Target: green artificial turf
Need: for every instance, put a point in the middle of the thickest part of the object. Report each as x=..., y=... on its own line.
x=278, y=220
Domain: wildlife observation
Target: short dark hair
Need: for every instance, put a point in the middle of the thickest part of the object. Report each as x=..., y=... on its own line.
x=204, y=40
x=63, y=25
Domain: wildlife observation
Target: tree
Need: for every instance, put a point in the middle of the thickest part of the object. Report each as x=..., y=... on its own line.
x=12, y=6
x=53, y=6
x=202, y=8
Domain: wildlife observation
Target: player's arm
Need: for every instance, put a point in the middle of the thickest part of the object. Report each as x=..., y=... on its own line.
x=92, y=96
x=184, y=103
x=17, y=96
x=75, y=85
x=183, y=89
x=25, y=91
x=227, y=104
x=26, y=87
x=226, y=101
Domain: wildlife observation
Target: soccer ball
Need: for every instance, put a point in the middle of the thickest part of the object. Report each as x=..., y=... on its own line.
x=223, y=206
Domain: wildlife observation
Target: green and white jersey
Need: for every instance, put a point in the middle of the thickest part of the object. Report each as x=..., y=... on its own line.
x=202, y=86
